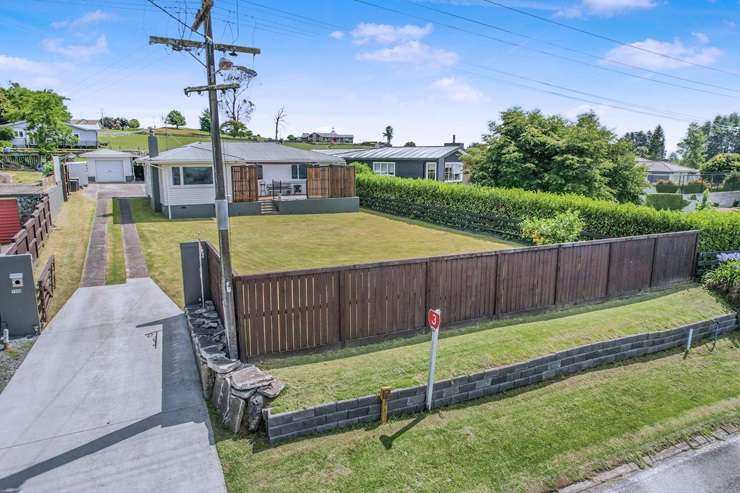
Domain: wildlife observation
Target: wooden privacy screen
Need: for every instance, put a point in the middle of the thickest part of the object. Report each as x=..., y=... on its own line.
x=284, y=312
x=34, y=232
x=244, y=183
x=330, y=181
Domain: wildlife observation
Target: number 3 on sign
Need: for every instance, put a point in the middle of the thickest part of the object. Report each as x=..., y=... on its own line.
x=434, y=318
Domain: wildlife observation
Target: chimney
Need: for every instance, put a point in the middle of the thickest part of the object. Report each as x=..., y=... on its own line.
x=454, y=143
x=153, y=147
x=453, y=138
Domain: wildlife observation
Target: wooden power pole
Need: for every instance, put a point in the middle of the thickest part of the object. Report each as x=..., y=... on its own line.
x=203, y=17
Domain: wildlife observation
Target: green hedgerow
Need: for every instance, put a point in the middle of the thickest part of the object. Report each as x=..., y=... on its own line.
x=564, y=227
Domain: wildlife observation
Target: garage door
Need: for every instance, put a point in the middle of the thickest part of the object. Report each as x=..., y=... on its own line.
x=109, y=171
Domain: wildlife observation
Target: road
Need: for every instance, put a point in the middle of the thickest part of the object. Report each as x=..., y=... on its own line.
x=714, y=468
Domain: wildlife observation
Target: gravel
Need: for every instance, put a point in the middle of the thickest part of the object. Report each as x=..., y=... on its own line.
x=12, y=357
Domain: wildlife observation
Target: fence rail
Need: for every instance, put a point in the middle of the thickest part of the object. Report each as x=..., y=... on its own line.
x=45, y=287
x=34, y=231
x=285, y=312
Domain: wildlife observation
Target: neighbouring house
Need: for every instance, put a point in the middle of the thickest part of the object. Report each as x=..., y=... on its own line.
x=327, y=138
x=261, y=178
x=86, y=134
x=441, y=163
x=108, y=166
x=668, y=171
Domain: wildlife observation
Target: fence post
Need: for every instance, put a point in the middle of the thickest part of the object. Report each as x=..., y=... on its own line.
x=340, y=332
x=557, y=277
x=652, y=263
x=608, y=270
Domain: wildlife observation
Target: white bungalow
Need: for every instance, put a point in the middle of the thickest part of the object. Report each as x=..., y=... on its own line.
x=179, y=182
x=86, y=135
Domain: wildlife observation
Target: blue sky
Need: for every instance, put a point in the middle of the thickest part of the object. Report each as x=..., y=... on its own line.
x=428, y=68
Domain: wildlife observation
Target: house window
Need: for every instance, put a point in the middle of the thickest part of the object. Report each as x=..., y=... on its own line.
x=430, y=170
x=384, y=168
x=298, y=171
x=259, y=171
x=192, y=175
x=453, y=171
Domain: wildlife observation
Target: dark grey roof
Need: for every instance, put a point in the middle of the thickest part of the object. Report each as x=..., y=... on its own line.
x=245, y=152
x=664, y=167
x=419, y=152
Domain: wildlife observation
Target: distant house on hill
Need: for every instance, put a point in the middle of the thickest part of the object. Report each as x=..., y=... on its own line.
x=668, y=171
x=86, y=134
x=327, y=138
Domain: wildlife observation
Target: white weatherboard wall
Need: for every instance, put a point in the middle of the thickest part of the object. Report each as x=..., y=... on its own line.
x=78, y=169
x=185, y=194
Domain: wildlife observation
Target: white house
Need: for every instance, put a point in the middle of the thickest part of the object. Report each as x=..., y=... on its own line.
x=86, y=134
x=667, y=171
x=108, y=166
x=179, y=181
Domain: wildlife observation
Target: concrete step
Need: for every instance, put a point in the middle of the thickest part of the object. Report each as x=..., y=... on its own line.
x=268, y=207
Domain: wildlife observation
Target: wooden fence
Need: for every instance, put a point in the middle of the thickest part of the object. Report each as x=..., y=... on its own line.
x=45, y=287
x=330, y=181
x=244, y=183
x=285, y=312
x=34, y=232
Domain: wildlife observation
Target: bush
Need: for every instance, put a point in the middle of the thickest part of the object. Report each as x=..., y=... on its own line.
x=666, y=187
x=722, y=163
x=500, y=210
x=666, y=201
x=723, y=277
x=705, y=204
x=133, y=123
x=6, y=134
x=732, y=182
x=694, y=187
x=48, y=169
x=564, y=227
x=361, y=168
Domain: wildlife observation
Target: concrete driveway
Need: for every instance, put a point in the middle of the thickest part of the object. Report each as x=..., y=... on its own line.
x=108, y=399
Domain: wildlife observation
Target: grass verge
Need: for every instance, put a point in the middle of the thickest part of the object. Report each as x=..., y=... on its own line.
x=279, y=243
x=24, y=177
x=68, y=243
x=115, y=270
x=358, y=371
x=533, y=440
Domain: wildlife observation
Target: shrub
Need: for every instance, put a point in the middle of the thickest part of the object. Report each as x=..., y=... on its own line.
x=500, y=210
x=705, y=204
x=694, y=187
x=564, y=227
x=361, y=168
x=732, y=182
x=666, y=201
x=722, y=163
x=134, y=123
x=666, y=187
x=723, y=277
x=48, y=169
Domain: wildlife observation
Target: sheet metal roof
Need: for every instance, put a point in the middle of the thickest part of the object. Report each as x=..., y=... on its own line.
x=250, y=152
x=664, y=167
x=104, y=153
x=419, y=152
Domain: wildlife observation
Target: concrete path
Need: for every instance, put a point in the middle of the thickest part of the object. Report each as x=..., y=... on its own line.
x=93, y=273
x=711, y=469
x=108, y=399
x=134, y=255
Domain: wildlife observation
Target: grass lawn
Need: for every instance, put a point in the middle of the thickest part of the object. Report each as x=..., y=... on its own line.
x=115, y=270
x=278, y=243
x=24, y=177
x=358, y=371
x=68, y=243
x=520, y=441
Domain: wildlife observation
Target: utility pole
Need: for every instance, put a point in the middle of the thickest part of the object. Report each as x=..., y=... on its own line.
x=203, y=17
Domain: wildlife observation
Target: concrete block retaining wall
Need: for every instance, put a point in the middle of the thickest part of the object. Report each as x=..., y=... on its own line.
x=341, y=414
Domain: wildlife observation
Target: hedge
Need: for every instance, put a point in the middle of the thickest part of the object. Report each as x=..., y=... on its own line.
x=500, y=210
x=665, y=201
x=666, y=187
x=693, y=187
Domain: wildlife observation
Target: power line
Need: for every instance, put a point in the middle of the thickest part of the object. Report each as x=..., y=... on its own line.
x=173, y=17
x=607, y=38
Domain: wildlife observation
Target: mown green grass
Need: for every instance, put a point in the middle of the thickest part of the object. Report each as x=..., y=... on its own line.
x=115, y=271
x=24, y=177
x=279, y=243
x=534, y=439
x=354, y=372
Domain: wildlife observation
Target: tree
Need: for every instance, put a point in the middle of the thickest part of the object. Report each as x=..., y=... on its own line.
x=134, y=123
x=533, y=151
x=388, y=134
x=291, y=138
x=692, y=148
x=723, y=134
x=410, y=143
x=236, y=106
x=656, y=146
x=639, y=141
x=175, y=118
x=279, y=119
x=234, y=128
x=205, y=120
x=722, y=163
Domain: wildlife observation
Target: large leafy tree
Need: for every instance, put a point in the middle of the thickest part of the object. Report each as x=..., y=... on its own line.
x=640, y=142
x=533, y=151
x=723, y=135
x=722, y=163
x=205, y=120
x=692, y=149
x=175, y=118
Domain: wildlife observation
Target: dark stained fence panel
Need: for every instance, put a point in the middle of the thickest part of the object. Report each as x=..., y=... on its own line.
x=463, y=288
x=214, y=276
x=674, y=258
x=526, y=280
x=244, y=183
x=582, y=272
x=630, y=268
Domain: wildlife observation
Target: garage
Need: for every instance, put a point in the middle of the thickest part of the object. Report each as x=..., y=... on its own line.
x=107, y=166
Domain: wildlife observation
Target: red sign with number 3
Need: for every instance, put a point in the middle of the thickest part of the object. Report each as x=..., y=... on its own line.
x=434, y=318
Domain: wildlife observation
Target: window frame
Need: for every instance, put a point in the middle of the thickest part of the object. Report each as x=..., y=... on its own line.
x=450, y=176
x=384, y=164
x=177, y=172
x=427, y=169
x=295, y=171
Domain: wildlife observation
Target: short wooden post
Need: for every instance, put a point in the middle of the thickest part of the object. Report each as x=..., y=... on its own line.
x=385, y=393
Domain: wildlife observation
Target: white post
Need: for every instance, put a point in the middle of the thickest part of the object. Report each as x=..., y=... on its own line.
x=688, y=343
x=432, y=365
x=200, y=274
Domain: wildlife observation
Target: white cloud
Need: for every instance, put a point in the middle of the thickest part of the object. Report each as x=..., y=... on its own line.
x=336, y=34
x=701, y=37
x=77, y=51
x=457, y=90
x=387, y=34
x=704, y=55
x=89, y=18
x=412, y=52
x=611, y=7
x=32, y=73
